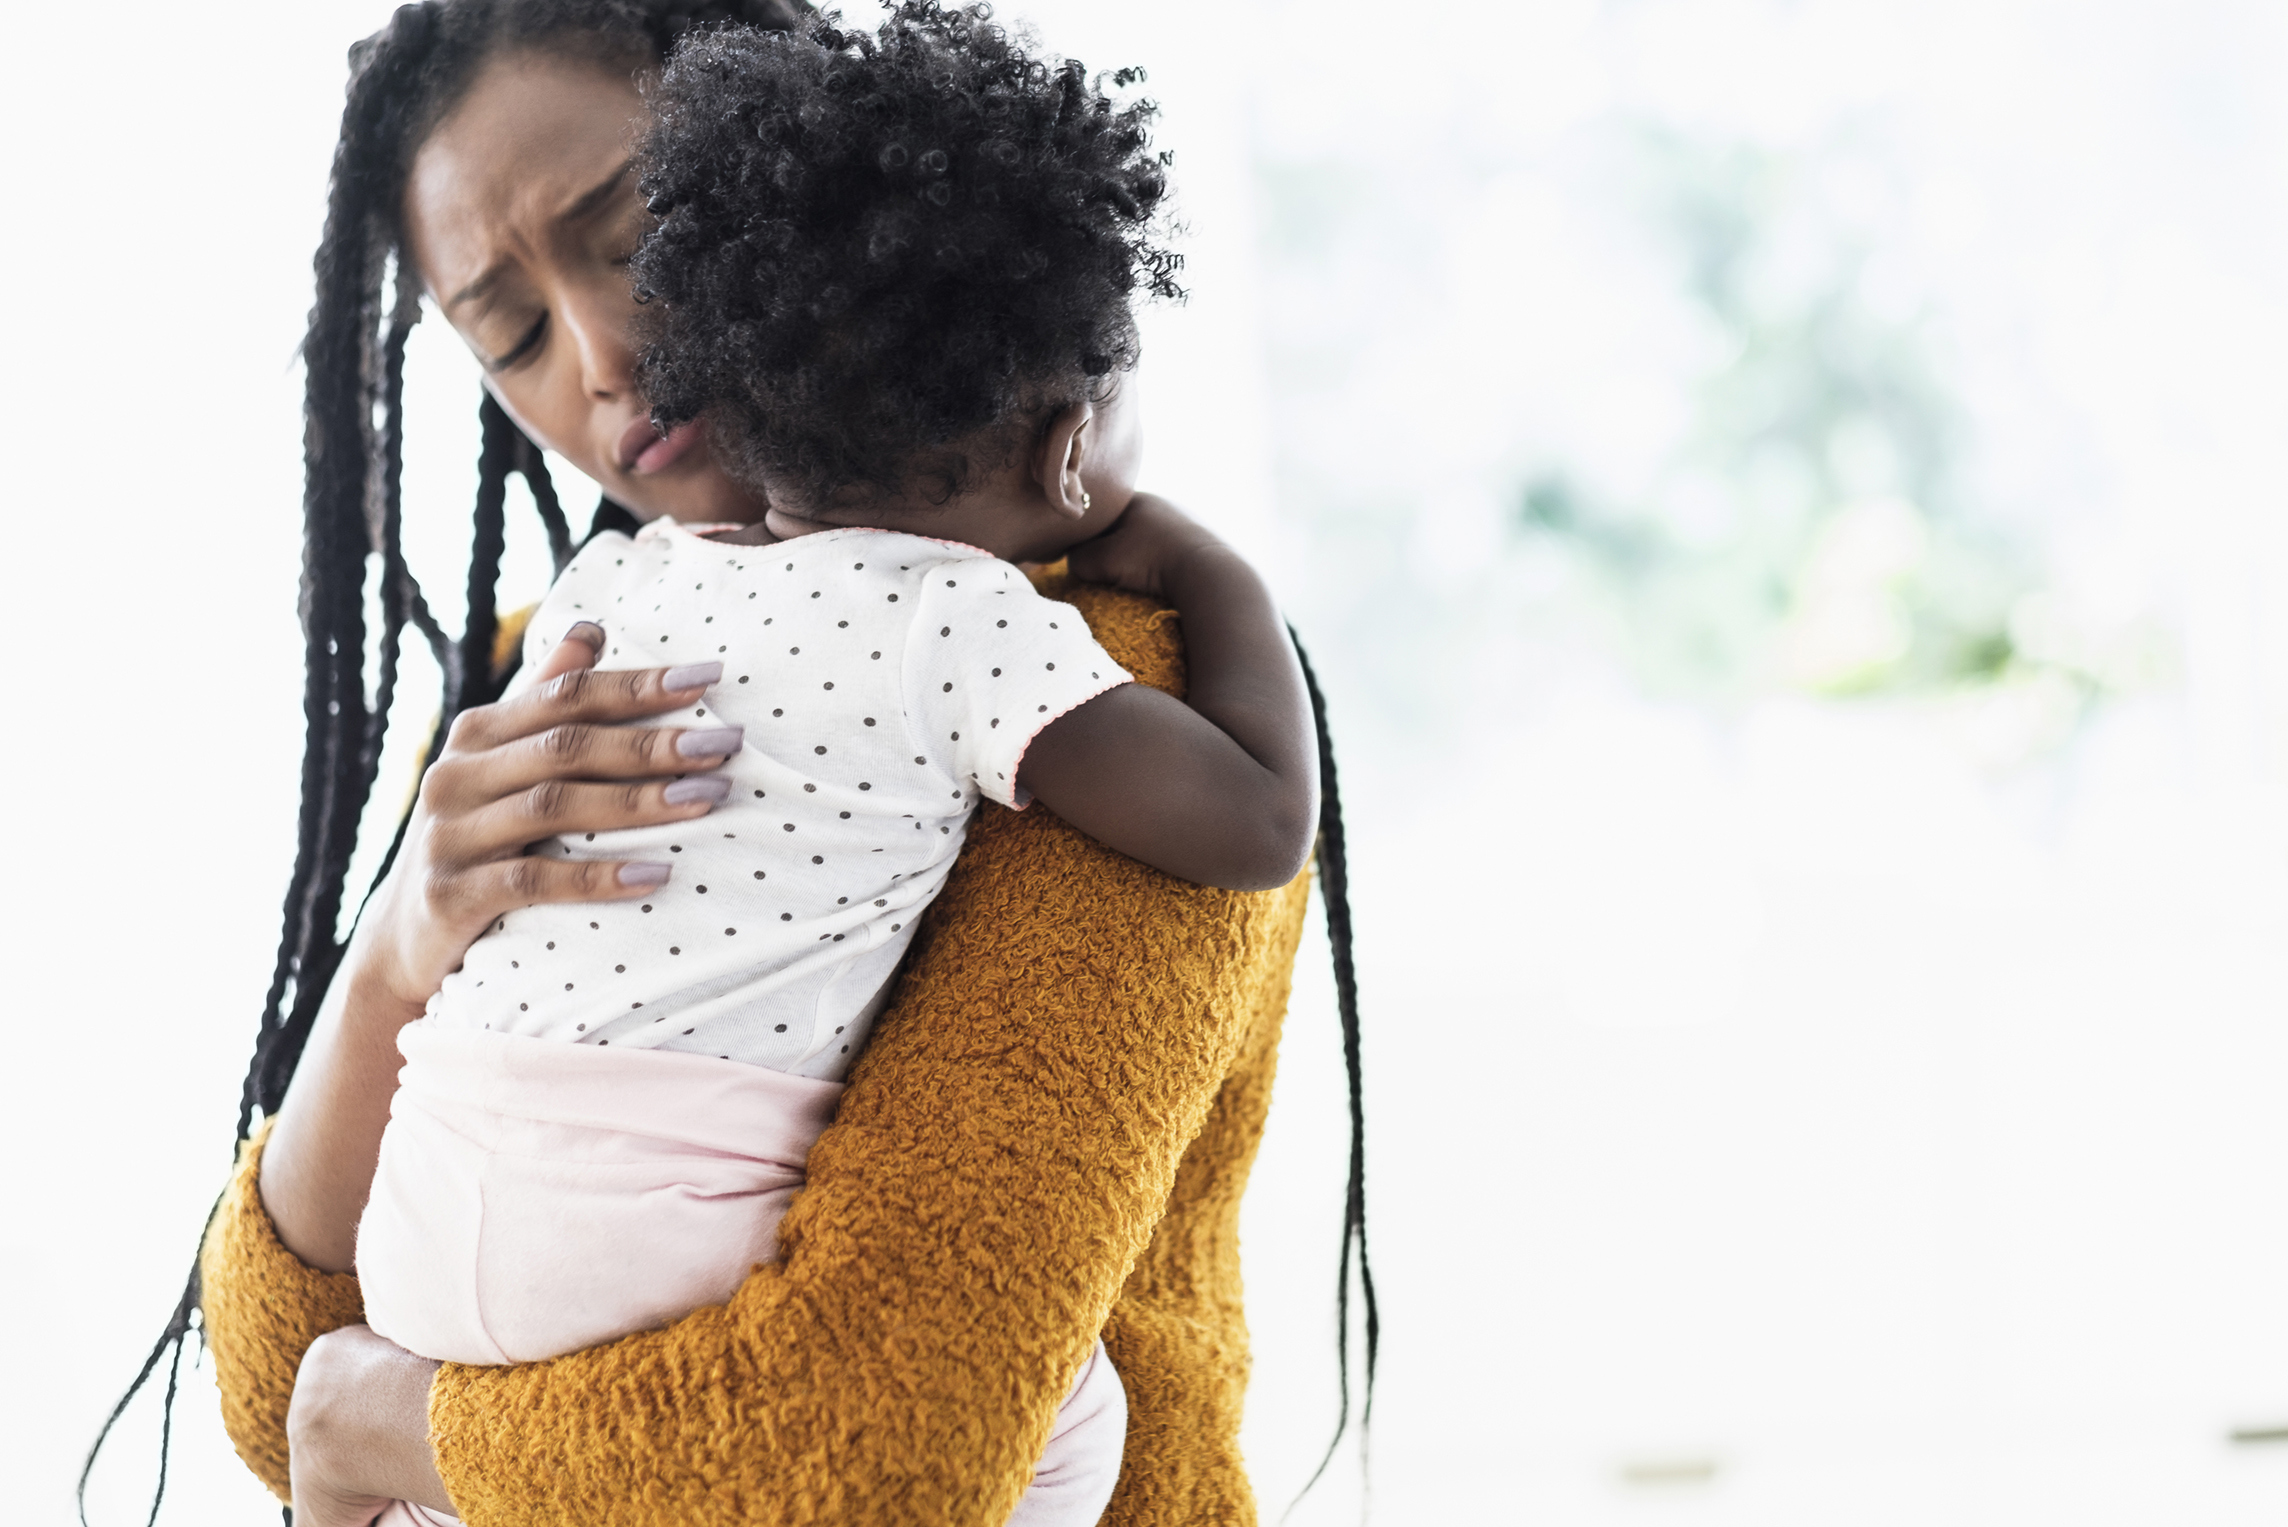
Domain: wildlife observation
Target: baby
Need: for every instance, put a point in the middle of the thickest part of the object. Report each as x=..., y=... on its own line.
x=894, y=272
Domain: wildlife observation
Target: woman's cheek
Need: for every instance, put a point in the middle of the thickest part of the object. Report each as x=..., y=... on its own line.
x=551, y=411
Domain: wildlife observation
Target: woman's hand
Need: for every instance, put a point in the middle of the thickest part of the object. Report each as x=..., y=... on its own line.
x=555, y=759
x=358, y=1431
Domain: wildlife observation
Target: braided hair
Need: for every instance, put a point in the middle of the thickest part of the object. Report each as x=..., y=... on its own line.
x=403, y=80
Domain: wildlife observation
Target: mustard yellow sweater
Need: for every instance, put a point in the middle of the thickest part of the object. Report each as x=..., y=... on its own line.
x=1047, y=1137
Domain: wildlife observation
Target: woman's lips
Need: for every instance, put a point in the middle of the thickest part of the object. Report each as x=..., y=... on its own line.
x=643, y=450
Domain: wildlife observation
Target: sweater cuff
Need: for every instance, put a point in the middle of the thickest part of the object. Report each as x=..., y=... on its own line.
x=262, y=1307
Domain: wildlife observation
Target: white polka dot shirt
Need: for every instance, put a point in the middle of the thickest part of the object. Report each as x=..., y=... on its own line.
x=887, y=684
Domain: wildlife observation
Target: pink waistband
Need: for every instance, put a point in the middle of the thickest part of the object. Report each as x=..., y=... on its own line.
x=690, y=1100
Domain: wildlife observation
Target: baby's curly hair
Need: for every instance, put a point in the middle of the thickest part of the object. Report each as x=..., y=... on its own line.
x=880, y=258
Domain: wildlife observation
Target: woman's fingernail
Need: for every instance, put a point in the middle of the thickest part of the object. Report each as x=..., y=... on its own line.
x=715, y=742
x=587, y=633
x=711, y=788
x=643, y=874
x=691, y=676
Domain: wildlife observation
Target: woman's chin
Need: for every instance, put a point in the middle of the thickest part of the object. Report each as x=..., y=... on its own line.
x=701, y=497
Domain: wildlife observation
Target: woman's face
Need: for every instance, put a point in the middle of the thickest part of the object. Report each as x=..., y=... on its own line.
x=521, y=211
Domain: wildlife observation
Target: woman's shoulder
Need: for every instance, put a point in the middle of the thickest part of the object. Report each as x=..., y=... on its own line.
x=1141, y=635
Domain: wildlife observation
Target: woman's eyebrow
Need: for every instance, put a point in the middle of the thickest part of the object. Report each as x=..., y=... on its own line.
x=584, y=205
x=478, y=287
x=595, y=196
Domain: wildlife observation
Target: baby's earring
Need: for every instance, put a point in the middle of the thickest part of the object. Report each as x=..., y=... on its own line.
x=1084, y=501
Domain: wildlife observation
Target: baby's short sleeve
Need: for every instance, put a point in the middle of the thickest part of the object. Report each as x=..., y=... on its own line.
x=989, y=663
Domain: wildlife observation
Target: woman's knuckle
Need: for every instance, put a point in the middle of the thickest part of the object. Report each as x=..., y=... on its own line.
x=632, y=798
x=572, y=688
x=526, y=878
x=431, y=844
x=445, y=776
x=542, y=802
x=567, y=742
x=444, y=890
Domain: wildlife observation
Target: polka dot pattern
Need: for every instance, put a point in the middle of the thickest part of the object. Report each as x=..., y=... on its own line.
x=872, y=690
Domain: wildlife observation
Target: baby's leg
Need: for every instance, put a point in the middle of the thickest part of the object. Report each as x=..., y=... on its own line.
x=1074, y=1482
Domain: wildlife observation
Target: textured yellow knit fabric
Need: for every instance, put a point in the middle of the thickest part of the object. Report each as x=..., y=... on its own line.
x=1047, y=1136
x=262, y=1307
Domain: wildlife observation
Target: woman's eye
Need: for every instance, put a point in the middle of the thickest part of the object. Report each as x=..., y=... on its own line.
x=523, y=349
x=628, y=232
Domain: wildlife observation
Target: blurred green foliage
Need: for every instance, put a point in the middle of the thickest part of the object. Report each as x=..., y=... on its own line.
x=1812, y=529
x=1652, y=400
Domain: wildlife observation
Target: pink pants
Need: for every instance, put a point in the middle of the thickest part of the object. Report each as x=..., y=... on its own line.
x=534, y=1198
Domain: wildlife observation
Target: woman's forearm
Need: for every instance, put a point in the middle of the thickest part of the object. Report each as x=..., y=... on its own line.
x=319, y=1165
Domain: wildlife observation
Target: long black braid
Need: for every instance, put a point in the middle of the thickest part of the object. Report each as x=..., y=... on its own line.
x=1335, y=891
x=402, y=81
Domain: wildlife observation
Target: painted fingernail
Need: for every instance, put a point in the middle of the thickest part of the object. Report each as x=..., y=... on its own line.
x=710, y=788
x=643, y=874
x=715, y=742
x=691, y=676
x=587, y=633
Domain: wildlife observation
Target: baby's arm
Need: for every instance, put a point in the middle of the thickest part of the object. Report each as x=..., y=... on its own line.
x=1224, y=790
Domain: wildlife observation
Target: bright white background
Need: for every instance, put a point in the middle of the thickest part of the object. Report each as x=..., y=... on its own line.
x=1785, y=1107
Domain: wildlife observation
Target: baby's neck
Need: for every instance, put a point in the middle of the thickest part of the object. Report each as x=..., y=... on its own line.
x=755, y=534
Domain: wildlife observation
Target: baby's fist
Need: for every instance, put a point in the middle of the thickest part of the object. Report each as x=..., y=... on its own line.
x=1144, y=548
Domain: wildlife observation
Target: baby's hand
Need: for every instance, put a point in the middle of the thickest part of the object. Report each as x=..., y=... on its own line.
x=1143, y=550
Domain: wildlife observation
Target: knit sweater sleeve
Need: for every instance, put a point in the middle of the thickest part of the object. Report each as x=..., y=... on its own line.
x=260, y=1308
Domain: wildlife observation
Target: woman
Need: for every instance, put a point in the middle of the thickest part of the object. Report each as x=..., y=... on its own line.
x=1051, y=1129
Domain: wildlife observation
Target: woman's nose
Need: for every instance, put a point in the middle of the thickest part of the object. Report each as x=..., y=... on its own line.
x=599, y=334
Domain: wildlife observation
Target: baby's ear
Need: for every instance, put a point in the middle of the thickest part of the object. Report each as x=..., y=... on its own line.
x=1062, y=452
